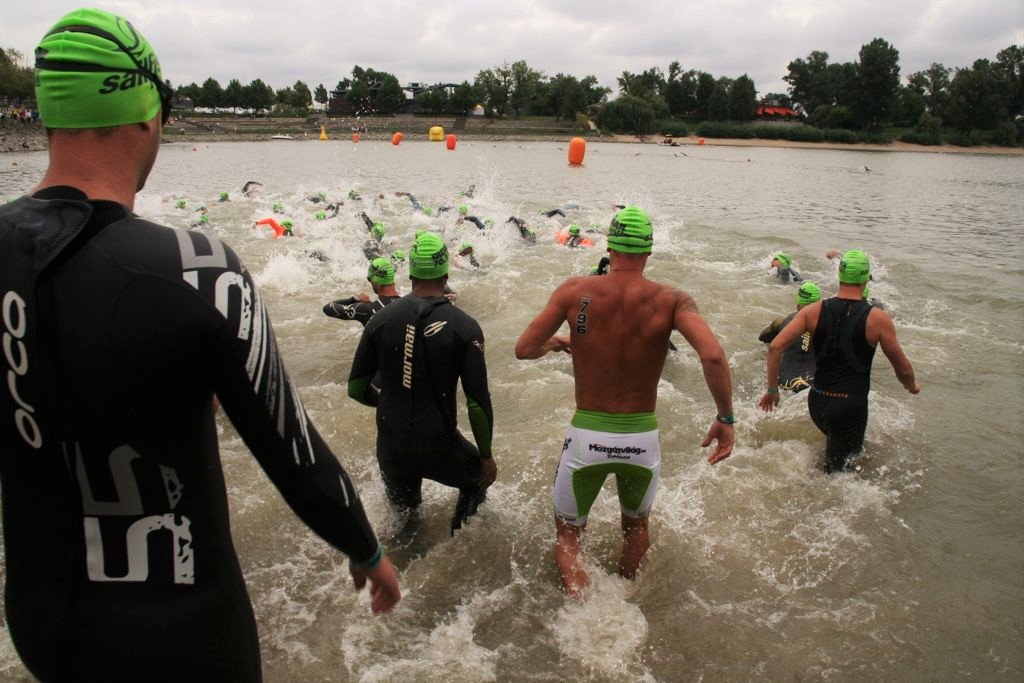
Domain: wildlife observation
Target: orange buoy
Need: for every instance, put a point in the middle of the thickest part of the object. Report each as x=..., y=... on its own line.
x=577, y=149
x=450, y=141
x=355, y=137
x=700, y=141
x=396, y=138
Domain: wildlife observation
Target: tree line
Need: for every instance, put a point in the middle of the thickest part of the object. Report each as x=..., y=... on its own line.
x=864, y=95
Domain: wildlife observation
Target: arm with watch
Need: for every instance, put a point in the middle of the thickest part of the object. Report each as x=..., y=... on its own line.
x=715, y=365
x=789, y=334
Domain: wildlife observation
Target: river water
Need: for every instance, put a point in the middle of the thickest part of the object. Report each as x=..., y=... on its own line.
x=761, y=568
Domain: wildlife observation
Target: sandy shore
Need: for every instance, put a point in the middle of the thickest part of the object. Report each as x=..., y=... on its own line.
x=19, y=138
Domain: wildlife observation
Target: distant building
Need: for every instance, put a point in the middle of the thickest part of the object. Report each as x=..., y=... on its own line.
x=770, y=113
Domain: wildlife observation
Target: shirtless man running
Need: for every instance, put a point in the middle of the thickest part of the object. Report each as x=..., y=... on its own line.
x=619, y=327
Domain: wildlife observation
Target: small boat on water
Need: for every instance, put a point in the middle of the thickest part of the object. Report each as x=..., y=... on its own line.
x=281, y=137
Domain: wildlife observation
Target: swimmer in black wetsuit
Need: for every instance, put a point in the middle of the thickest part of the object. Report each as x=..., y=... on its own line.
x=524, y=232
x=602, y=266
x=845, y=332
x=252, y=188
x=796, y=372
x=781, y=263
x=423, y=346
x=120, y=564
x=415, y=204
x=381, y=275
x=474, y=220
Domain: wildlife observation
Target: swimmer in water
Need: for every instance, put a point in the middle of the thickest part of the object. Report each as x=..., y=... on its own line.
x=782, y=263
x=796, y=371
x=524, y=232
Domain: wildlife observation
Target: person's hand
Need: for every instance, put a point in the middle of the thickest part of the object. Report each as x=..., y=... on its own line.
x=489, y=472
x=557, y=344
x=769, y=401
x=384, y=590
x=726, y=439
x=832, y=253
x=364, y=297
x=916, y=389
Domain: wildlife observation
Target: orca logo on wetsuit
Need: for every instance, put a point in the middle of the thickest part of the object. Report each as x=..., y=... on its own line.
x=15, y=323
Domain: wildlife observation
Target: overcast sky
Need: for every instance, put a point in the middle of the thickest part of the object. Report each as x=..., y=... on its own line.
x=450, y=41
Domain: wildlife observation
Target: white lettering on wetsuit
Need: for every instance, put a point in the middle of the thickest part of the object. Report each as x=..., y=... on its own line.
x=410, y=340
x=15, y=319
x=129, y=503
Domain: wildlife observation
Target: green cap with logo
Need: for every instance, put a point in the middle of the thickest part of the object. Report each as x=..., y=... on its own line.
x=854, y=268
x=93, y=70
x=808, y=294
x=381, y=271
x=574, y=229
x=782, y=258
x=428, y=258
x=631, y=232
x=378, y=231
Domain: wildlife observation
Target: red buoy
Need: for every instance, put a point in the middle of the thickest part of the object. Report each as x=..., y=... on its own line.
x=577, y=149
x=396, y=138
x=450, y=141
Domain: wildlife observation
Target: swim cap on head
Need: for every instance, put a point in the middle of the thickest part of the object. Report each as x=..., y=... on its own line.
x=631, y=232
x=854, y=268
x=489, y=222
x=808, y=294
x=398, y=256
x=278, y=207
x=428, y=258
x=204, y=218
x=180, y=204
x=321, y=215
x=93, y=69
x=574, y=229
x=224, y=196
x=783, y=259
x=463, y=209
x=287, y=225
x=465, y=247
x=322, y=195
x=378, y=231
x=381, y=272
x=426, y=210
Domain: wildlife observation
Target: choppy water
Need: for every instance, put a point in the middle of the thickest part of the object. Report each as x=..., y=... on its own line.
x=761, y=568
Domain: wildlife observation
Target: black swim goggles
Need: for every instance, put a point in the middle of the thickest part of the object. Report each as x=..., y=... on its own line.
x=165, y=91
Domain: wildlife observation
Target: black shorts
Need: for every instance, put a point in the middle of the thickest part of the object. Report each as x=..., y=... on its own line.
x=843, y=419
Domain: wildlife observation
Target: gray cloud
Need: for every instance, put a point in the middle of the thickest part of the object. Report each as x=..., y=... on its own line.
x=282, y=42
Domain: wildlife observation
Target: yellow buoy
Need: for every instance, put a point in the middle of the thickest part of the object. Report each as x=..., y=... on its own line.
x=323, y=132
x=436, y=134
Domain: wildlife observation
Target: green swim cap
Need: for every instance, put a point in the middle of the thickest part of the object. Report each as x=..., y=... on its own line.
x=224, y=196
x=398, y=256
x=278, y=207
x=808, y=294
x=180, y=204
x=463, y=209
x=93, y=69
x=631, y=232
x=489, y=222
x=427, y=210
x=321, y=215
x=464, y=247
x=287, y=225
x=381, y=272
x=322, y=196
x=574, y=230
x=783, y=259
x=204, y=218
x=854, y=268
x=428, y=258
x=378, y=231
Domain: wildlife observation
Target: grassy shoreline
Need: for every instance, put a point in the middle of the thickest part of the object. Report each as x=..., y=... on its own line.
x=32, y=138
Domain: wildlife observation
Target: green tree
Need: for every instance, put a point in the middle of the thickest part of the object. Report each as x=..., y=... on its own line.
x=432, y=101
x=975, y=99
x=878, y=83
x=495, y=85
x=524, y=85
x=464, y=99
x=390, y=96
x=302, y=98
x=808, y=81
x=258, y=96
x=16, y=81
x=718, y=103
x=627, y=114
x=705, y=86
x=1009, y=69
x=320, y=96
x=233, y=95
x=742, y=99
x=648, y=84
x=932, y=85
x=359, y=97
x=566, y=97
x=593, y=91
x=211, y=95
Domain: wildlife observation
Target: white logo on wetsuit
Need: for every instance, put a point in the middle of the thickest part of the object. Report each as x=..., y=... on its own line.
x=15, y=325
x=433, y=328
x=410, y=342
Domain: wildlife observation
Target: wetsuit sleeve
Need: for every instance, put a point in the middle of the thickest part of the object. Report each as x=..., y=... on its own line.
x=364, y=367
x=350, y=309
x=253, y=387
x=770, y=332
x=335, y=309
x=478, y=397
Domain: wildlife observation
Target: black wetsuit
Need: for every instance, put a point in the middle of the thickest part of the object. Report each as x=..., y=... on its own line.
x=838, y=402
x=476, y=221
x=796, y=372
x=118, y=333
x=354, y=309
x=786, y=273
x=422, y=347
x=524, y=232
